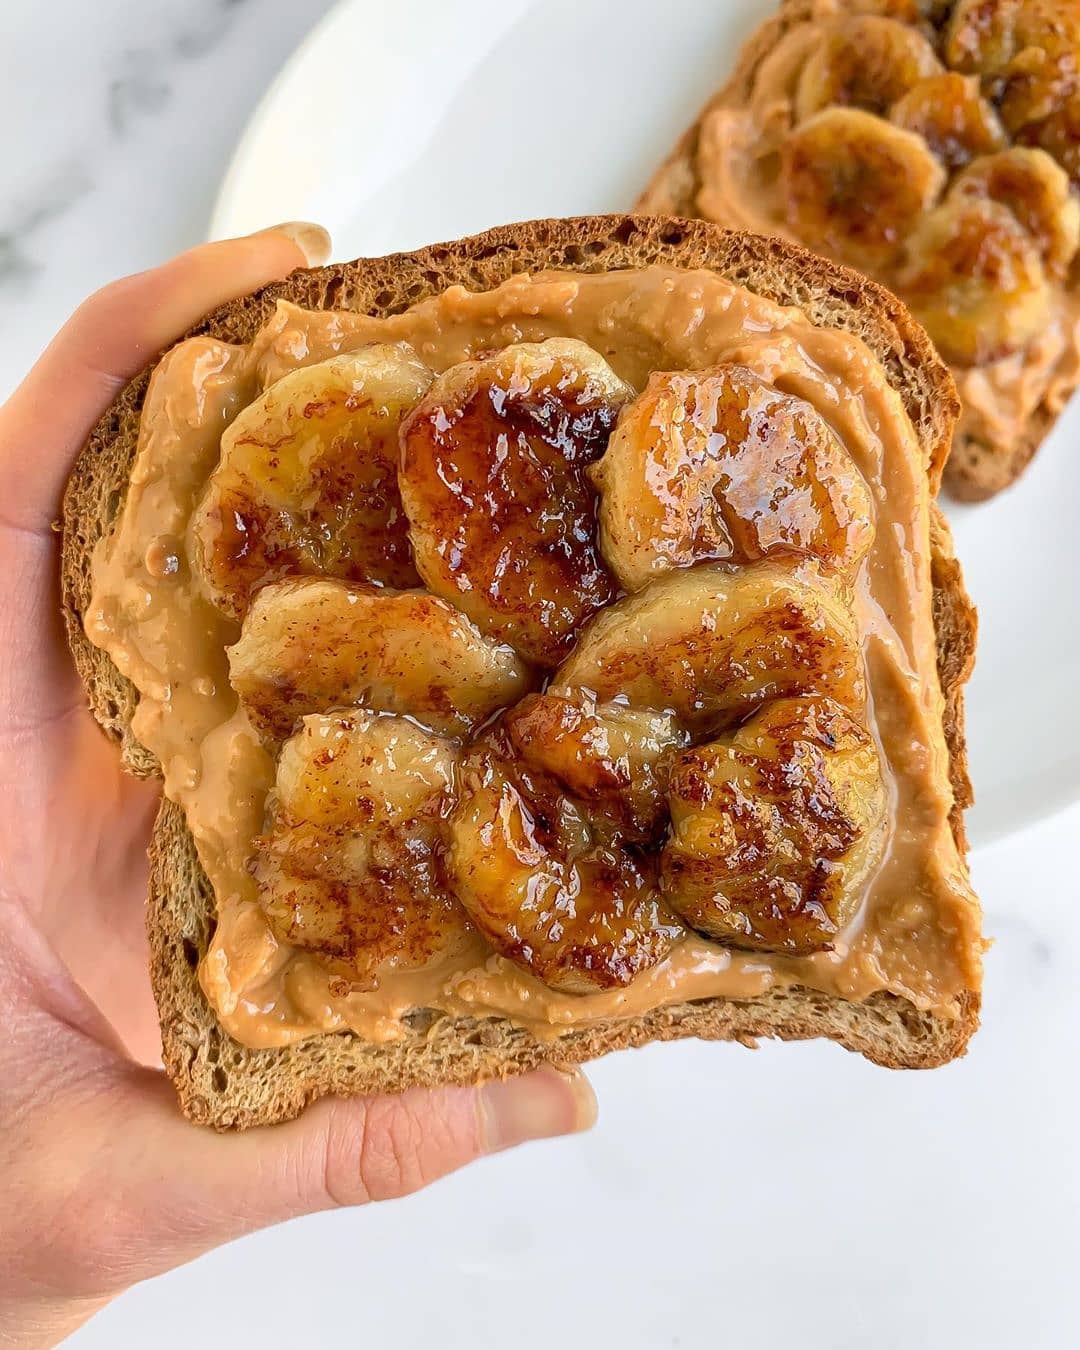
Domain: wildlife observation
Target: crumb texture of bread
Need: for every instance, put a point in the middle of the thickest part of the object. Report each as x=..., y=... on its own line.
x=984, y=461
x=228, y=1085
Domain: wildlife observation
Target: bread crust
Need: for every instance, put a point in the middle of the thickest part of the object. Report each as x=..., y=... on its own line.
x=227, y=1085
x=977, y=469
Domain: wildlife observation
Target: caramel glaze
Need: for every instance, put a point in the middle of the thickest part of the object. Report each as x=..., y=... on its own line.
x=916, y=931
x=717, y=465
x=593, y=919
x=792, y=881
x=528, y=443
x=389, y=911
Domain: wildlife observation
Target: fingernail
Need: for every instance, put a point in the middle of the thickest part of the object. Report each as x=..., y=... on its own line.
x=539, y=1105
x=311, y=239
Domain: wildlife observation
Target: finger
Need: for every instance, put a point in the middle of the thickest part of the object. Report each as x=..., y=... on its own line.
x=109, y=339
x=169, y=1191
x=353, y=1151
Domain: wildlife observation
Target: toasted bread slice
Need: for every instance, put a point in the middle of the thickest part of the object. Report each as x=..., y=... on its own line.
x=982, y=463
x=228, y=1085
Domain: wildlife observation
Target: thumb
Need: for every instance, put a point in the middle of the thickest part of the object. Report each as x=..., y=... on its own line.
x=176, y=1190
x=109, y=339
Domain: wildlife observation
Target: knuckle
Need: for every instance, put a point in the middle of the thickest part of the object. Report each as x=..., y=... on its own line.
x=390, y=1148
x=100, y=305
x=391, y=1157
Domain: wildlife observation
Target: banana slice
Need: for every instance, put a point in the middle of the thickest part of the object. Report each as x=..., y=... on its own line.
x=1036, y=191
x=309, y=645
x=347, y=864
x=710, y=643
x=1026, y=51
x=775, y=829
x=1059, y=136
x=854, y=185
x=718, y=464
x=867, y=61
x=1039, y=80
x=950, y=114
x=986, y=37
x=501, y=513
x=307, y=481
x=611, y=758
x=981, y=36
x=551, y=888
x=974, y=278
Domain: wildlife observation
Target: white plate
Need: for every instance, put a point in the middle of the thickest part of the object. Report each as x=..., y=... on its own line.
x=401, y=124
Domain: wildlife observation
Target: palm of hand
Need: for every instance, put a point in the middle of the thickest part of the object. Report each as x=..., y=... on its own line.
x=74, y=828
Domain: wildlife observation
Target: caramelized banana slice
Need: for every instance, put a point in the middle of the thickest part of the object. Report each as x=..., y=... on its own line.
x=1027, y=51
x=775, y=829
x=985, y=37
x=307, y=481
x=609, y=757
x=867, y=61
x=710, y=643
x=309, y=644
x=561, y=898
x=1036, y=191
x=346, y=866
x=951, y=116
x=854, y=185
x=502, y=515
x=981, y=37
x=718, y=464
x=1059, y=136
x=1040, y=79
x=974, y=278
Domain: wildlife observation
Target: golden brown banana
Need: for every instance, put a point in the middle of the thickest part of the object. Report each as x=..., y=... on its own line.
x=1038, y=81
x=310, y=644
x=347, y=863
x=611, y=758
x=1037, y=192
x=981, y=36
x=717, y=464
x=711, y=642
x=501, y=513
x=1059, y=136
x=307, y=481
x=1026, y=51
x=854, y=185
x=866, y=61
x=550, y=886
x=986, y=36
x=975, y=279
x=776, y=828
x=949, y=112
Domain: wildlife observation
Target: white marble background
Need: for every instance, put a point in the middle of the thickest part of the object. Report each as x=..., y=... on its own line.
x=796, y=1196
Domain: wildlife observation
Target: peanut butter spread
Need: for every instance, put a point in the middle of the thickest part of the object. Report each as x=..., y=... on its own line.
x=933, y=147
x=914, y=928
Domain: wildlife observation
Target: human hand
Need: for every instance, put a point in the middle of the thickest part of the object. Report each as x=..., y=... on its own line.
x=102, y=1182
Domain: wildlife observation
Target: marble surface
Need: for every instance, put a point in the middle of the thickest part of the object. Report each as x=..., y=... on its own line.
x=795, y=1195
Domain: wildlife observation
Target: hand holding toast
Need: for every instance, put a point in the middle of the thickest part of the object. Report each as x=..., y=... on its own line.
x=102, y=1183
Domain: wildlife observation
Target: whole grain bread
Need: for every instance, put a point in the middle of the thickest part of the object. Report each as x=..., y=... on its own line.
x=228, y=1085
x=978, y=468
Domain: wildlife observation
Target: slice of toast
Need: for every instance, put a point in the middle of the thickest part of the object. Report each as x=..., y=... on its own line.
x=228, y=1085
x=978, y=468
